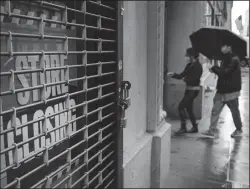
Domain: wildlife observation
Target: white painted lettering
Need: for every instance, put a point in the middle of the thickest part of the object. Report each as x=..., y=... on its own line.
x=10, y=141
x=25, y=136
x=30, y=62
x=60, y=120
x=33, y=61
x=23, y=97
x=39, y=142
x=72, y=103
x=48, y=76
x=55, y=75
x=3, y=158
x=64, y=86
x=19, y=132
x=48, y=112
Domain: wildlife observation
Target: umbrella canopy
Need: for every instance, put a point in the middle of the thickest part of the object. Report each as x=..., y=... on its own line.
x=208, y=41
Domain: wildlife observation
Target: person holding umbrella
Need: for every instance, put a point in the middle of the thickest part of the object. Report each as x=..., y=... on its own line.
x=191, y=75
x=222, y=44
x=228, y=90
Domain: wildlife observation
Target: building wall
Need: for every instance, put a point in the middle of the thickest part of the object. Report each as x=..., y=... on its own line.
x=146, y=130
x=228, y=23
x=147, y=137
x=246, y=24
x=135, y=68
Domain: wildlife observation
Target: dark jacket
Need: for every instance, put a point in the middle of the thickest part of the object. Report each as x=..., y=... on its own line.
x=229, y=74
x=191, y=74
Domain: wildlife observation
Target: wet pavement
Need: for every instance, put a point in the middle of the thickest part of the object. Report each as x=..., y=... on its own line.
x=199, y=162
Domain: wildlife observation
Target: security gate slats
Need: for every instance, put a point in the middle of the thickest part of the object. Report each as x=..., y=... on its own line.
x=58, y=94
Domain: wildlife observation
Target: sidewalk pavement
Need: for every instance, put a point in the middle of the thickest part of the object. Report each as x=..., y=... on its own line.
x=199, y=162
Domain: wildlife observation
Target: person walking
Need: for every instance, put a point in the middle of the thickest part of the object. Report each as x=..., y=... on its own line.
x=228, y=91
x=191, y=75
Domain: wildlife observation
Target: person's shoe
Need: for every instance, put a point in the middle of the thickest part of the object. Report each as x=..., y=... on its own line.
x=237, y=133
x=209, y=133
x=194, y=129
x=181, y=131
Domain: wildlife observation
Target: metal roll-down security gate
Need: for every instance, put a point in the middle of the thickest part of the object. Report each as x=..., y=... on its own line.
x=59, y=94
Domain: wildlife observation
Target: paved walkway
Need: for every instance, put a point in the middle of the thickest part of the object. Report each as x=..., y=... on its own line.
x=198, y=162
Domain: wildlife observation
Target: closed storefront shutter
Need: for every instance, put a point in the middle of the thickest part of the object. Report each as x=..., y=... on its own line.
x=58, y=94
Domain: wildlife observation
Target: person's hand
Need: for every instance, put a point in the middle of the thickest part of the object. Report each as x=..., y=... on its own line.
x=170, y=74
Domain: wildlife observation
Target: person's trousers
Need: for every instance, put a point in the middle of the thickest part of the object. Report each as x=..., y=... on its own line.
x=217, y=109
x=186, y=106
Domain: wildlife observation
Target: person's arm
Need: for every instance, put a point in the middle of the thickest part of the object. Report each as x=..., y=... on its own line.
x=231, y=67
x=181, y=75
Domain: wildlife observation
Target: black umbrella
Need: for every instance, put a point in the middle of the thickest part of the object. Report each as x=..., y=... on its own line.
x=208, y=41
